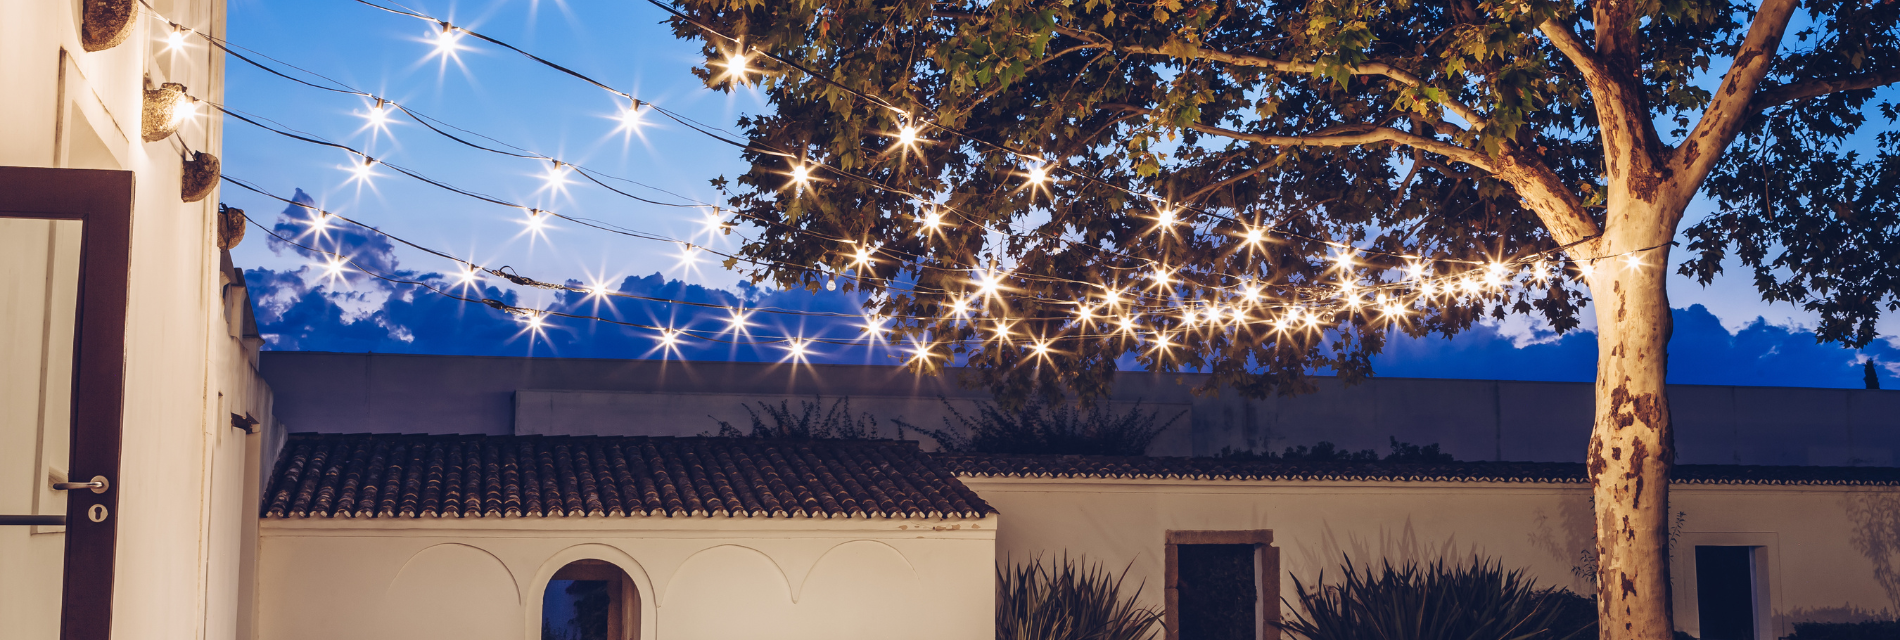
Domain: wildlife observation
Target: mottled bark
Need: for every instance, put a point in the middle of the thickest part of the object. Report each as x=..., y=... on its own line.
x=1632, y=447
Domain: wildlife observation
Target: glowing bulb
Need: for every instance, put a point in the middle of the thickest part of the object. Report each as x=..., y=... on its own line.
x=378, y=115
x=1127, y=325
x=335, y=268
x=989, y=283
x=537, y=221
x=907, y=136
x=447, y=41
x=1161, y=343
x=920, y=355
x=862, y=258
x=960, y=308
x=801, y=174
x=1161, y=276
x=1041, y=349
x=874, y=326
x=597, y=290
x=184, y=112
x=468, y=277
x=1112, y=298
x=537, y=322
x=630, y=120
x=1085, y=314
x=1633, y=261
x=1541, y=271
x=737, y=323
x=797, y=349
x=556, y=176
x=176, y=39
x=932, y=220
x=1343, y=259
x=1586, y=269
x=363, y=171
x=1038, y=174
x=1255, y=236
x=1415, y=270
x=1251, y=292
x=688, y=258
x=736, y=66
x=1165, y=218
x=670, y=340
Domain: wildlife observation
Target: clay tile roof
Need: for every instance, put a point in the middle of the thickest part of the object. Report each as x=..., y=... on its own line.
x=1161, y=468
x=415, y=476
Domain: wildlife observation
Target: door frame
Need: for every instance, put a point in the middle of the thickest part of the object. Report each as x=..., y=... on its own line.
x=102, y=201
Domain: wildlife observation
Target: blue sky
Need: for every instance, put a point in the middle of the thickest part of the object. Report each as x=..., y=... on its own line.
x=1724, y=334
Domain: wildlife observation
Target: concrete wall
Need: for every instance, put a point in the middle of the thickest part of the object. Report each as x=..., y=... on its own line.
x=697, y=578
x=1472, y=419
x=182, y=541
x=1830, y=551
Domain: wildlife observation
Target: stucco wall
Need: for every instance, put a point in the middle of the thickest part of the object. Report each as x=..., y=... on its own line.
x=697, y=578
x=183, y=505
x=1471, y=419
x=1832, y=551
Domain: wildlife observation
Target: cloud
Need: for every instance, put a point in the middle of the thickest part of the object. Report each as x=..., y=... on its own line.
x=305, y=310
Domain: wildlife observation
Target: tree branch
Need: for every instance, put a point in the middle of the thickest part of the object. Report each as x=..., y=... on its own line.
x=1696, y=156
x=1766, y=99
x=1463, y=111
x=1368, y=135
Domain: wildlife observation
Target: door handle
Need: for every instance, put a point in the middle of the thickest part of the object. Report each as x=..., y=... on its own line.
x=99, y=484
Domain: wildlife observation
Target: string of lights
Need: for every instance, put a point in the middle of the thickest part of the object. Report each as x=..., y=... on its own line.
x=1311, y=306
x=1167, y=215
x=378, y=117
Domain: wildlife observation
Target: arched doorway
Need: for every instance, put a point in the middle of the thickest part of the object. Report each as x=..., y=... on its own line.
x=590, y=600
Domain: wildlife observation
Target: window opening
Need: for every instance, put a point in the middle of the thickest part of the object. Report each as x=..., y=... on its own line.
x=1217, y=590
x=1725, y=592
x=589, y=600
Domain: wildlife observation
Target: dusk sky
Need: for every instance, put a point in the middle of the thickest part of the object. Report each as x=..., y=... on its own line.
x=1725, y=334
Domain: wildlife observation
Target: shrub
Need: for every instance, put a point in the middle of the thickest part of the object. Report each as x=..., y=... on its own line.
x=812, y=421
x=1409, y=601
x=1871, y=630
x=1068, y=600
x=1329, y=452
x=1042, y=429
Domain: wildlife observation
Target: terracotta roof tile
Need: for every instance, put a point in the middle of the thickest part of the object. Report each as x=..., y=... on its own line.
x=1164, y=468
x=415, y=476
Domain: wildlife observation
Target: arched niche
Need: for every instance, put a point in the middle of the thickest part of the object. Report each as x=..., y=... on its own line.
x=590, y=600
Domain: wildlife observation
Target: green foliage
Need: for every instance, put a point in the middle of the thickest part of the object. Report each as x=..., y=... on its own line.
x=811, y=421
x=1329, y=452
x=1440, y=601
x=1869, y=630
x=1069, y=599
x=1171, y=98
x=1048, y=429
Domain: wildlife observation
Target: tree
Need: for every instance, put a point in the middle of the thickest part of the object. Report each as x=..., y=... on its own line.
x=1450, y=141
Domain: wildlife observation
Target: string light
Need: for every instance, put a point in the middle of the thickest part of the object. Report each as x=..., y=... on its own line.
x=631, y=119
x=447, y=42
x=175, y=40
x=1038, y=175
x=556, y=177
x=363, y=171
x=737, y=324
x=334, y=268
x=907, y=136
x=468, y=277
x=378, y=115
x=537, y=222
x=797, y=350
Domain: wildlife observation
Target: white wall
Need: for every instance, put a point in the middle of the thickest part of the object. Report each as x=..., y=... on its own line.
x=182, y=510
x=698, y=578
x=1834, y=552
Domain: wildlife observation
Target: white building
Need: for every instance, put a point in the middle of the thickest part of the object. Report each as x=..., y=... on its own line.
x=148, y=490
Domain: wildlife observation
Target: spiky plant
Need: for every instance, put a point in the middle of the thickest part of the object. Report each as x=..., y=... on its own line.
x=1048, y=429
x=1478, y=600
x=811, y=421
x=1069, y=599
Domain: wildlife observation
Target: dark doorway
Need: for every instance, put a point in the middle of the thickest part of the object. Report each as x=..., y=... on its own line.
x=1216, y=586
x=589, y=600
x=1725, y=592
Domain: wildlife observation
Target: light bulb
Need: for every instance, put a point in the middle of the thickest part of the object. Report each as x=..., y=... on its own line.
x=801, y=174
x=176, y=39
x=907, y=136
x=1038, y=174
x=378, y=115
x=631, y=119
x=1255, y=236
x=447, y=41
x=363, y=171
x=736, y=66
x=737, y=323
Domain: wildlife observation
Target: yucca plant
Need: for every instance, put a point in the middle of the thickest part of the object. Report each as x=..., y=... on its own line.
x=811, y=421
x=1478, y=600
x=1069, y=599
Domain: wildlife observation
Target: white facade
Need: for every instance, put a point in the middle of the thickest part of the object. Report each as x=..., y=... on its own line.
x=697, y=578
x=184, y=478
x=1829, y=551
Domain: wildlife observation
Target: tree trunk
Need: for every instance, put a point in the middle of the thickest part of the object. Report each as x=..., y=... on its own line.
x=1632, y=447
